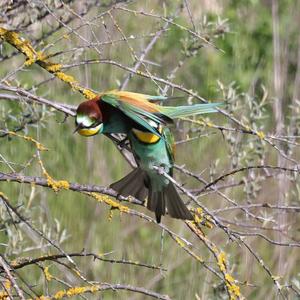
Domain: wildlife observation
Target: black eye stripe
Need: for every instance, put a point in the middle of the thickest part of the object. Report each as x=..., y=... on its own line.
x=94, y=125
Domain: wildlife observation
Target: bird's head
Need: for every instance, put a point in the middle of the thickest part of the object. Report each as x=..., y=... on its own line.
x=88, y=119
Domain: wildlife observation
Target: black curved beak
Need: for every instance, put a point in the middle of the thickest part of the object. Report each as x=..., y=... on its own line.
x=78, y=127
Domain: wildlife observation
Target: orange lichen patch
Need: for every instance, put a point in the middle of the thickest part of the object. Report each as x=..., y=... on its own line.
x=106, y=199
x=56, y=185
x=3, y=295
x=14, y=263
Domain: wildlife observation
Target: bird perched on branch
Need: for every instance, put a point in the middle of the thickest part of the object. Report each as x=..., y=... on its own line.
x=151, y=142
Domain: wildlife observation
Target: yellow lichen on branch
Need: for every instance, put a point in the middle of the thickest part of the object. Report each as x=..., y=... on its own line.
x=107, y=200
x=79, y=290
x=33, y=56
x=88, y=94
x=48, y=276
x=38, y=145
x=184, y=245
x=222, y=261
x=180, y=242
x=56, y=185
x=66, y=78
x=261, y=135
x=75, y=291
x=54, y=68
x=3, y=295
x=7, y=284
x=2, y=195
x=19, y=43
x=233, y=289
x=200, y=218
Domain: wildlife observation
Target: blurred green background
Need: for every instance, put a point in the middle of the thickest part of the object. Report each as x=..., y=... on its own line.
x=240, y=73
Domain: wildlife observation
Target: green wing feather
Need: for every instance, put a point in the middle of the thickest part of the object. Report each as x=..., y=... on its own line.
x=163, y=98
x=170, y=143
x=156, y=98
x=145, y=113
x=189, y=110
x=136, y=114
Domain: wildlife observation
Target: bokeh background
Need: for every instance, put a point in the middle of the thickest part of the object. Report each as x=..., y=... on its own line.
x=245, y=53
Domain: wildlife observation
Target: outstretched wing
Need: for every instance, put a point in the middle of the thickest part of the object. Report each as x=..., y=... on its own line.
x=138, y=108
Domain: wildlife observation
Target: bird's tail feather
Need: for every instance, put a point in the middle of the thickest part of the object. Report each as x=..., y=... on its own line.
x=157, y=202
x=137, y=184
x=189, y=110
x=132, y=184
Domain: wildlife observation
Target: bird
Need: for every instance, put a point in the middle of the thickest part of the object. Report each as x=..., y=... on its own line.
x=151, y=141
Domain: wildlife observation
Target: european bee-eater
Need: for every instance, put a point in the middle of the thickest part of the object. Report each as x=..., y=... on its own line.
x=151, y=143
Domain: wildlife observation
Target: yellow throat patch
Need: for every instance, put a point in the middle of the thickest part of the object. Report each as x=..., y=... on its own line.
x=89, y=131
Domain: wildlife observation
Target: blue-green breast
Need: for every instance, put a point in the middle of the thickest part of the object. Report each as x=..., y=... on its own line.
x=151, y=150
